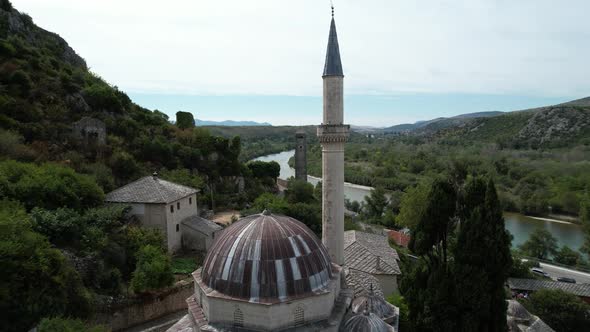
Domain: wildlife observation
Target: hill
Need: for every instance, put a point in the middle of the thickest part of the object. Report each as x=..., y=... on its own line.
x=562, y=125
x=46, y=89
x=230, y=123
x=438, y=123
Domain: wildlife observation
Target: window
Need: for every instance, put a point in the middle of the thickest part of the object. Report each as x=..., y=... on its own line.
x=177, y=205
x=172, y=208
x=299, y=316
x=190, y=200
x=177, y=227
x=238, y=318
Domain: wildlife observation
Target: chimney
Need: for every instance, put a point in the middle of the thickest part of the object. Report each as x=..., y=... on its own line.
x=155, y=175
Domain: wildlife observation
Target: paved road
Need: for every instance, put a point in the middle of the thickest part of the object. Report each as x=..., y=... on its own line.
x=556, y=271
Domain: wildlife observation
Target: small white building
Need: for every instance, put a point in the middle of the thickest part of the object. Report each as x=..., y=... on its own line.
x=169, y=207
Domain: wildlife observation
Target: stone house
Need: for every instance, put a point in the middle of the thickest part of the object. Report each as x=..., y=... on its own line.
x=169, y=207
x=371, y=254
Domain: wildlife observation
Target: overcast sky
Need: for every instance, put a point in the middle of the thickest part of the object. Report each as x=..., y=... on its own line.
x=511, y=53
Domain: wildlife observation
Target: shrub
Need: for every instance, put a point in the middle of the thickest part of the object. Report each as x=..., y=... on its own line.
x=58, y=324
x=153, y=270
x=102, y=97
x=185, y=120
x=560, y=310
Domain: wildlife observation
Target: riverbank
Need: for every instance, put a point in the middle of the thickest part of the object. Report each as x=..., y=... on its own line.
x=553, y=220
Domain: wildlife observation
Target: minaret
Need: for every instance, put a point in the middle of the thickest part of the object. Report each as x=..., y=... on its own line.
x=301, y=156
x=332, y=134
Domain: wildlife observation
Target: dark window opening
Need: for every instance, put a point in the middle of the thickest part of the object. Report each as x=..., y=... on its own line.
x=238, y=318
x=190, y=200
x=177, y=227
x=299, y=316
x=172, y=208
x=178, y=206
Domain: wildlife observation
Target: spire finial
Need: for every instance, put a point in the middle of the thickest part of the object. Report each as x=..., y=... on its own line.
x=332, y=5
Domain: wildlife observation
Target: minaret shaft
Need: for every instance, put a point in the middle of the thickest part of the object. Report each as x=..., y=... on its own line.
x=332, y=134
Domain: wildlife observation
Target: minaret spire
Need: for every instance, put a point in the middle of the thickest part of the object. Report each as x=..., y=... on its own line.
x=332, y=134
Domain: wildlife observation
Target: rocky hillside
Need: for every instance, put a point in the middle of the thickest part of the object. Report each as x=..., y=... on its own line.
x=46, y=89
x=562, y=125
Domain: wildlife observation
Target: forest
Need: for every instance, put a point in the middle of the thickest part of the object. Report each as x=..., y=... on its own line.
x=530, y=181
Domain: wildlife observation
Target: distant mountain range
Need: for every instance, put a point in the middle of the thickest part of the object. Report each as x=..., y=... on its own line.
x=562, y=125
x=230, y=123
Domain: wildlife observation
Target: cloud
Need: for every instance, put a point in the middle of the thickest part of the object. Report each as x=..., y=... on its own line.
x=271, y=47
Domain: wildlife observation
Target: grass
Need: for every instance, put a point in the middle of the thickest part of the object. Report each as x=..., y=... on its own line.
x=183, y=265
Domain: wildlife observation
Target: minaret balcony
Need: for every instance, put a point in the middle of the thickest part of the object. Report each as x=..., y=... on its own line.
x=328, y=133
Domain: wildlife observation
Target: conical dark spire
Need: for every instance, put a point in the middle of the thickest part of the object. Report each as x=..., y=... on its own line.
x=333, y=65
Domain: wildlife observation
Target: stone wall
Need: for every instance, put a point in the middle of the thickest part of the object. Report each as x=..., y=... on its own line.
x=144, y=308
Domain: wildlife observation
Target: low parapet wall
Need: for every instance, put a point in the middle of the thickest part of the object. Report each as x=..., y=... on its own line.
x=141, y=309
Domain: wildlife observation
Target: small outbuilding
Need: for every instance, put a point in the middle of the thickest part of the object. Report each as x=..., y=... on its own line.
x=169, y=207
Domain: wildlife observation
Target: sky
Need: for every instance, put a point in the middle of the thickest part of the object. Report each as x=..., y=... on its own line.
x=261, y=60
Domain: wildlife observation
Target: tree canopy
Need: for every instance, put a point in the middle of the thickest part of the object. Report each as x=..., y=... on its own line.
x=541, y=244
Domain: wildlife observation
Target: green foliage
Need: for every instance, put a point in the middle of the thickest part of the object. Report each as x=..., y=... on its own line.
x=404, y=315
x=567, y=256
x=153, y=271
x=261, y=169
x=5, y=5
x=183, y=176
x=299, y=192
x=124, y=165
x=183, y=265
x=185, y=120
x=520, y=269
x=375, y=204
x=50, y=186
x=541, y=244
x=59, y=324
x=36, y=281
x=482, y=259
x=103, y=97
x=562, y=311
x=413, y=205
x=585, y=219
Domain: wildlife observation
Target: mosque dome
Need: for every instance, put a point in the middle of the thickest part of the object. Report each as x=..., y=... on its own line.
x=366, y=322
x=374, y=304
x=267, y=258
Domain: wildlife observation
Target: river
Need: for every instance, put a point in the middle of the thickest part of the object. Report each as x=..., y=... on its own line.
x=518, y=225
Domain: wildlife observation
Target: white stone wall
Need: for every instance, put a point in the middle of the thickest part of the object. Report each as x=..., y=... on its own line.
x=388, y=283
x=333, y=200
x=333, y=100
x=265, y=317
x=173, y=219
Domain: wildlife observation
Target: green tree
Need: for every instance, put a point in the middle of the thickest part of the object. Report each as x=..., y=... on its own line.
x=375, y=204
x=50, y=186
x=585, y=219
x=59, y=324
x=124, y=166
x=153, y=271
x=299, y=191
x=261, y=169
x=35, y=281
x=482, y=259
x=562, y=311
x=6, y=5
x=413, y=205
x=540, y=244
x=567, y=256
x=185, y=120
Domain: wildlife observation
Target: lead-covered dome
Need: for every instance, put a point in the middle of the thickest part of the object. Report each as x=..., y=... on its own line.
x=267, y=258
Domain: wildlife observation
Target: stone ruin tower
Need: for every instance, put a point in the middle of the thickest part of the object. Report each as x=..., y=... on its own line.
x=332, y=134
x=301, y=156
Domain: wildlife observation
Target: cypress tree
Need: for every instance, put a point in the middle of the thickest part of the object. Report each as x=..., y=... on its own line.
x=482, y=259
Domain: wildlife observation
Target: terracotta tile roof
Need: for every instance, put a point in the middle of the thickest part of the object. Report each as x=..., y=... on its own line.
x=401, y=239
x=149, y=189
x=534, y=284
